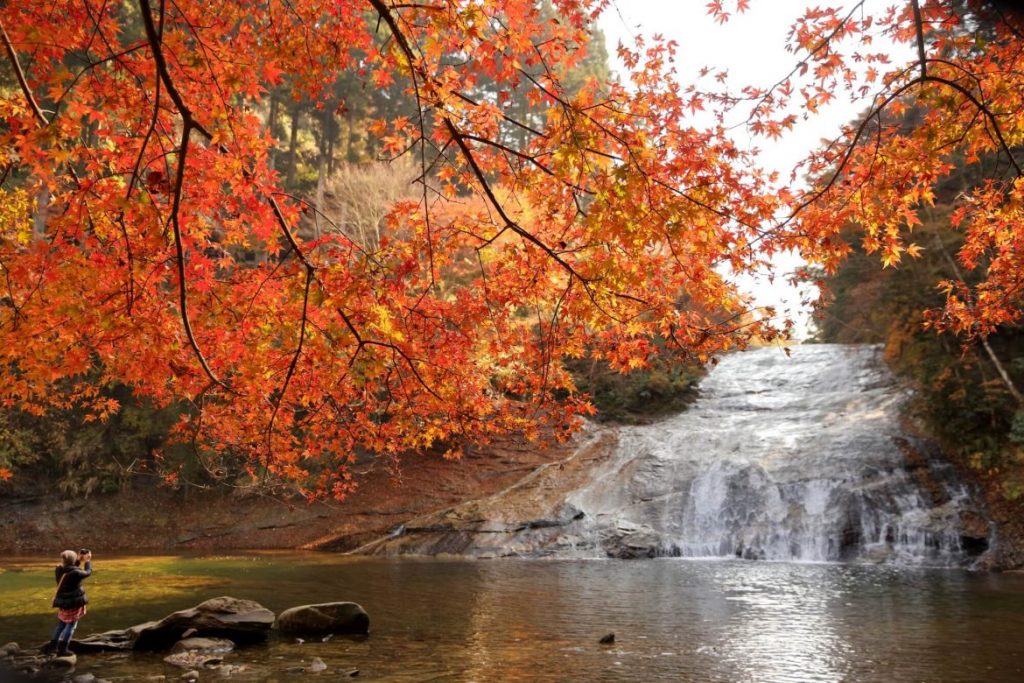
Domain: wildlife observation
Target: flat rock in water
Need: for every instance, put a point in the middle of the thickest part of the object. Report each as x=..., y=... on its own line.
x=192, y=660
x=324, y=618
x=205, y=645
x=30, y=660
x=63, y=662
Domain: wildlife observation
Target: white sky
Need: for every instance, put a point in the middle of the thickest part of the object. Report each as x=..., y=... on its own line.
x=752, y=46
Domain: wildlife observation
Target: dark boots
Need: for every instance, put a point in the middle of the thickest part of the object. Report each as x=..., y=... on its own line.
x=57, y=648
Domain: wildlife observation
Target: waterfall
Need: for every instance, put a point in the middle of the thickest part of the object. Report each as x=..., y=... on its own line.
x=800, y=458
x=797, y=459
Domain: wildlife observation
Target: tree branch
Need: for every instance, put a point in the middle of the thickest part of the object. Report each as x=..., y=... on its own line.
x=20, y=75
x=155, y=43
x=180, y=252
x=295, y=357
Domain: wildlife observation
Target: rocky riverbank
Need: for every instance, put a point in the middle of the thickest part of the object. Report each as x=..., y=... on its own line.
x=530, y=518
x=149, y=517
x=198, y=639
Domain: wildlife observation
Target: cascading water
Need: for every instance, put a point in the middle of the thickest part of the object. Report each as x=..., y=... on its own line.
x=781, y=458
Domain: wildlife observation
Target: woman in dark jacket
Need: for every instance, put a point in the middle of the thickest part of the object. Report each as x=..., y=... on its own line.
x=70, y=599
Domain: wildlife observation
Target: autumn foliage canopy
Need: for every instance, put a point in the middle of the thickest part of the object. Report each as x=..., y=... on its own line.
x=146, y=240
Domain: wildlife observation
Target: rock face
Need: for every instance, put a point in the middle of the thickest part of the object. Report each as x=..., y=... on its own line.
x=628, y=541
x=240, y=621
x=801, y=458
x=530, y=518
x=322, y=619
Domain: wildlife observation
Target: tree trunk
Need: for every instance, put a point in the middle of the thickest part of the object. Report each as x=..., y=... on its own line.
x=293, y=144
x=321, y=181
x=39, y=219
x=350, y=142
x=1007, y=380
x=989, y=351
x=330, y=157
x=271, y=126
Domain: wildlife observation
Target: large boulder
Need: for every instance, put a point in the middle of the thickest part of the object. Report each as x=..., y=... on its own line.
x=628, y=541
x=240, y=621
x=324, y=618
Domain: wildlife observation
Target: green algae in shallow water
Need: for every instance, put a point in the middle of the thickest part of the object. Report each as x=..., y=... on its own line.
x=121, y=584
x=135, y=588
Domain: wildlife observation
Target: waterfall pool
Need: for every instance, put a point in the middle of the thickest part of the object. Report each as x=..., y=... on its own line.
x=540, y=620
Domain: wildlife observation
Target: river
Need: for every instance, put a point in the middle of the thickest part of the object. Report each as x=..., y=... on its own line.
x=540, y=620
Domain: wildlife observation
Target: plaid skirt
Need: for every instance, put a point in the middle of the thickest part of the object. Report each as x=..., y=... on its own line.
x=69, y=616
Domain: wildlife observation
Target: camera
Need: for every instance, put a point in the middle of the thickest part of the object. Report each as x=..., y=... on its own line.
x=81, y=553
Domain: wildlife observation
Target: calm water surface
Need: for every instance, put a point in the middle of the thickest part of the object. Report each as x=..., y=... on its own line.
x=540, y=620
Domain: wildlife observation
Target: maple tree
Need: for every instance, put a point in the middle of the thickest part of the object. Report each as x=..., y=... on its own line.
x=958, y=101
x=136, y=189
x=136, y=183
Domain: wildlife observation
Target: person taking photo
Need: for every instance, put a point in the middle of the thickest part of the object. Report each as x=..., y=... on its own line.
x=70, y=599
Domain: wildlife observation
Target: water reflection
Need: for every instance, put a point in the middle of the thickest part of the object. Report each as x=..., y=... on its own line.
x=540, y=621
x=784, y=630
